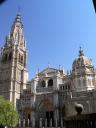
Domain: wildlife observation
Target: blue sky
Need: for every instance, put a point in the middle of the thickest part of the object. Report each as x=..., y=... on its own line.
x=54, y=30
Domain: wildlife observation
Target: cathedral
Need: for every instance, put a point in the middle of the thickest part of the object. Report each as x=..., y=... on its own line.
x=52, y=94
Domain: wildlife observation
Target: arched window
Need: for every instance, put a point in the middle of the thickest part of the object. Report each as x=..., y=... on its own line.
x=50, y=82
x=19, y=57
x=5, y=57
x=10, y=56
x=68, y=87
x=43, y=84
x=62, y=87
x=29, y=116
x=22, y=59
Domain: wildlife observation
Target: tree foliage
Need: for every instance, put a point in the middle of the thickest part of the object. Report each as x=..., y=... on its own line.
x=8, y=113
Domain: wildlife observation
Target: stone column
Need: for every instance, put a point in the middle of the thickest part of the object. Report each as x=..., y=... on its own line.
x=40, y=122
x=28, y=122
x=56, y=124
x=61, y=122
x=33, y=119
x=19, y=123
x=46, y=122
x=56, y=107
x=56, y=117
x=24, y=123
x=46, y=83
x=51, y=122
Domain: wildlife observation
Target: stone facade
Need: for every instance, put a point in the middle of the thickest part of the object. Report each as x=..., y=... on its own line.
x=51, y=94
x=54, y=96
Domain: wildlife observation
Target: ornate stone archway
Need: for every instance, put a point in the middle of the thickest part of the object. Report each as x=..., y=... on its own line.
x=46, y=105
x=46, y=111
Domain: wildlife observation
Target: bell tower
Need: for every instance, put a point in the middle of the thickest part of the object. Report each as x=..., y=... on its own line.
x=13, y=61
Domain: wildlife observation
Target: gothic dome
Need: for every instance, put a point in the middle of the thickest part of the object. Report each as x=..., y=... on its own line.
x=82, y=61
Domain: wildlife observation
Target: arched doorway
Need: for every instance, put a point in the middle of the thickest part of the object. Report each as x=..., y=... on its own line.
x=46, y=112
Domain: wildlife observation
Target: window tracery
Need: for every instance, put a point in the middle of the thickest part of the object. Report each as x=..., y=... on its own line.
x=43, y=84
x=50, y=83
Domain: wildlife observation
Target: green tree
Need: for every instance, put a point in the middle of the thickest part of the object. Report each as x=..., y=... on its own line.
x=8, y=113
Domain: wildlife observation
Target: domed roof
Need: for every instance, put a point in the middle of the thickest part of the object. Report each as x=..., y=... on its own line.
x=81, y=60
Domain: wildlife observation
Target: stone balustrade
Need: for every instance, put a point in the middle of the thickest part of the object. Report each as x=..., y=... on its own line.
x=41, y=123
x=44, y=89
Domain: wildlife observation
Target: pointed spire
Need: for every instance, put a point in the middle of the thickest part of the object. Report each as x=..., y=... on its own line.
x=81, y=52
x=17, y=20
x=16, y=35
x=18, y=16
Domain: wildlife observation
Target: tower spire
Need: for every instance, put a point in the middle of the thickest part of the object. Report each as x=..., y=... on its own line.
x=13, y=61
x=18, y=16
x=16, y=35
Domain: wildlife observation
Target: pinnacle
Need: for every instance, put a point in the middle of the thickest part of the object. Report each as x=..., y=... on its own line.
x=18, y=18
x=81, y=52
